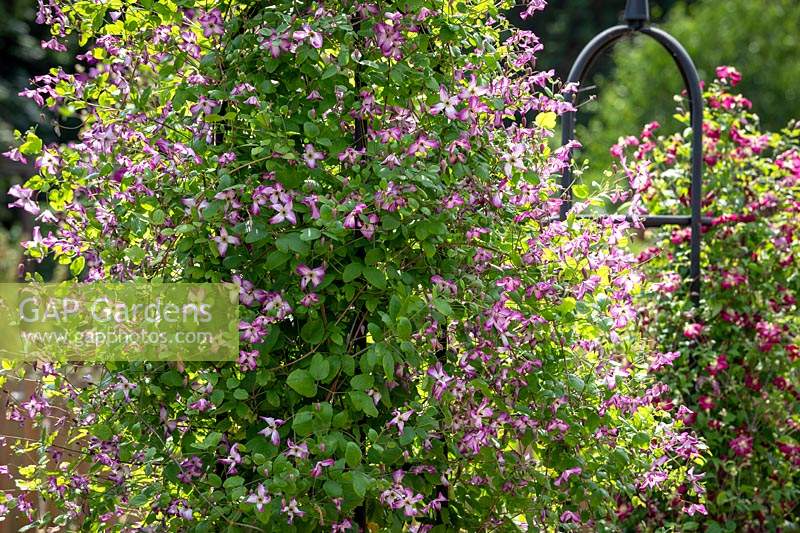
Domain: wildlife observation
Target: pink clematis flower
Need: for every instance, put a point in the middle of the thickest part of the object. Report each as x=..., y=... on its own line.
x=400, y=419
x=705, y=403
x=24, y=199
x=440, y=380
x=291, y=510
x=311, y=202
x=317, y=470
x=313, y=276
x=271, y=431
x=693, y=331
x=297, y=450
x=422, y=145
x=212, y=23
x=742, y=445
x=566, y=474
x=663, y=359
x=311, y=156
x=233, y=459
x=729, y=74
x=204, y=106
x=223, y=240
x=284, y=212
x=260, y=497
x=448, y=104
x=693, y=508
x=248, y=361
x=309, y=299
x=276, y=43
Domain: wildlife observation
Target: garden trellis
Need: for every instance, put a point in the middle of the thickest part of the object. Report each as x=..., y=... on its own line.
x=637, y=19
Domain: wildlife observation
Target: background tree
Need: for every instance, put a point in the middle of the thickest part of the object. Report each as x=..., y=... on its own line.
x=759, y=38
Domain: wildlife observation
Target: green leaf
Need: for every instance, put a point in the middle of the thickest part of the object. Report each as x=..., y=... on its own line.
x=641, y=439
x=313, y=331
x=352, y=271
x=404, y=328
x=135, y=254
x=303, y=423
x=139, y=500
x=291, y=241
x=330, y=71
x=302, y=382
x=546, y=120
x=442, y=306
x=77, y=265
x=567, y=305
x=103, y=432
x=235, y=481
x=388, y=365
x=172, y=378
x=275, y=259
x=240, y=394
x=363, y=402
x=332, y=488
x=576, y=383
x=320, y=367
x=210, y=441
x=310, y=234
x=32, y=144
x=362, y=382
x=352, y=454
x=158, y=216
x=360, y=483
x=408, y=436
x=257, y=232
x=580, y=191
x=375, y=277
x=310, y=129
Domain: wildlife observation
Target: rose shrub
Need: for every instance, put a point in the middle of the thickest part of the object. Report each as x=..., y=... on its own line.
x=736, y=364
x=423, y=346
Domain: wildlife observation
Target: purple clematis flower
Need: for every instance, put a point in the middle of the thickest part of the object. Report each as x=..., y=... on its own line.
x=223, y=240
x=260, y=497
x=24, y=199
x=313, y=276
x=271, y=431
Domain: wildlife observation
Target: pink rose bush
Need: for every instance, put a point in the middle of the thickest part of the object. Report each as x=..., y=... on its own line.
x=736, y=366
x=423, y=345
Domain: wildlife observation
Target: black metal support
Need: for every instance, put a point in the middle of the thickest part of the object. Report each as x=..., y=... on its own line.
x=656, y=221
x=637, y=17
x=637, y=13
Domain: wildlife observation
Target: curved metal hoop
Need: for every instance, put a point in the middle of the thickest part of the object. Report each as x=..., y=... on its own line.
x=691, y=80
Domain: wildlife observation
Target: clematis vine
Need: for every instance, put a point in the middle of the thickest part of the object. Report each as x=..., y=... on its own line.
x=418, y=332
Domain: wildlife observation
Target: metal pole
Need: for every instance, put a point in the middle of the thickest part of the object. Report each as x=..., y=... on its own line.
x=637, y=16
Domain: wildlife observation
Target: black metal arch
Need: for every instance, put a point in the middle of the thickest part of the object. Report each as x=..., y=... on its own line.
x=637, y=17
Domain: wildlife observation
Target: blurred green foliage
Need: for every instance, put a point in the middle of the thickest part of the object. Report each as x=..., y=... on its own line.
x=761, y=39
x=567, y=25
